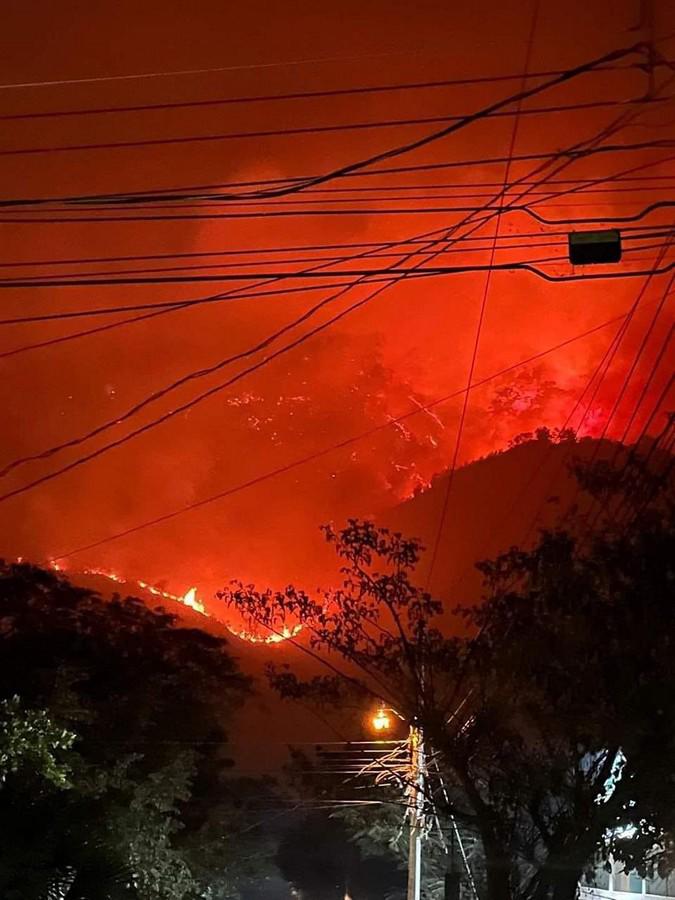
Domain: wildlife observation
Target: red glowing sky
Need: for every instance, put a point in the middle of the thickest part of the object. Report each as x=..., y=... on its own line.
x=410, y=345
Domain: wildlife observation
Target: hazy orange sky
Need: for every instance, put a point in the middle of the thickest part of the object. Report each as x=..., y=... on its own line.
x=409, y=346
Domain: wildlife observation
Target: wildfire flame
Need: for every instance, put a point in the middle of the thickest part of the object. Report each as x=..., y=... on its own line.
x=275, y=638
x=189, y=599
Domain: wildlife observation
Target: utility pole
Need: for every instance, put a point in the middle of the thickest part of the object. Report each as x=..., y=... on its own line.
x=415, y=810
x=408, y=761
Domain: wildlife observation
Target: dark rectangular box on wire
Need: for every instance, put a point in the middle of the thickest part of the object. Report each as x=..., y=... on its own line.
x=594, y=247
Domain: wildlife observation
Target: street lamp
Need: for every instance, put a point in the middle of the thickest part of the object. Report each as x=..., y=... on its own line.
x=381, y=720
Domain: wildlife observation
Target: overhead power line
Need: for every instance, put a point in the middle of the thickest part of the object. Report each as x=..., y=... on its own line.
x=141, y=76
x=609, y=355
x=326, y=205
x=388, y=194
x=120, y=418
x=597, y=501
x=158, y=195
x=358, y=211
x=234, y=294
x=195, y=400
x=596, y=378
x=485, y=112
x=296, y=95
x=343, y=290
x=277, y=64
x=632, y=369
x=187, y=304
x=619, y=123
x=77, y=335
x=418, y=410
x=200, y=267
x=221, y=296
x=481, y=313
x=599, y=376
x=635, y=232
x=206, y=394
x=402, y=149
x=334, y=260
x=309, y=129
x=427, y=271
x=165, y=306
x=648, y=380
x=629, y=479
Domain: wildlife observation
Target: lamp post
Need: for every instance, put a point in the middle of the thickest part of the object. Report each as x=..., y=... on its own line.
x=381, y=722
x=415, y=811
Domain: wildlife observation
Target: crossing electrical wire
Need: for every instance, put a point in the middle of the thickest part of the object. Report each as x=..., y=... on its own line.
x=600, y=374
x=631, y=371
x=295, y=95
x=482, y=309
x=610, y=129
x=549, y=198
x=605, y=132
x=306, y=130
x=378, y=277
x=647, y=383
x=664, y=444
x=596, y=378
x=73, y=336
x=359, y=211
x=358, y=304
x=52, y=474
x=390, y=423
x=32, y=280
x=183, y=407
x=639, y=232
x=157, y=195
x=608, y=355
x=427, y=272
x=141, y=76
x=472, y=191
x=485, y=112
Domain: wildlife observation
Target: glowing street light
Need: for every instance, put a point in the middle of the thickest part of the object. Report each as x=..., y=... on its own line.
x=381, y=720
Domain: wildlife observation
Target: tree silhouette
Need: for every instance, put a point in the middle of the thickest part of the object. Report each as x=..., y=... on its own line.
x=553, y=712
x=128, y=714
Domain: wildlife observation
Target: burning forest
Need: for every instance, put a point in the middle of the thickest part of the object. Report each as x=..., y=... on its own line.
x=337, y=387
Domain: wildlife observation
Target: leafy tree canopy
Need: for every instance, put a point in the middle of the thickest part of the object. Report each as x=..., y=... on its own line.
x=115, y=757
x=554, y=719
